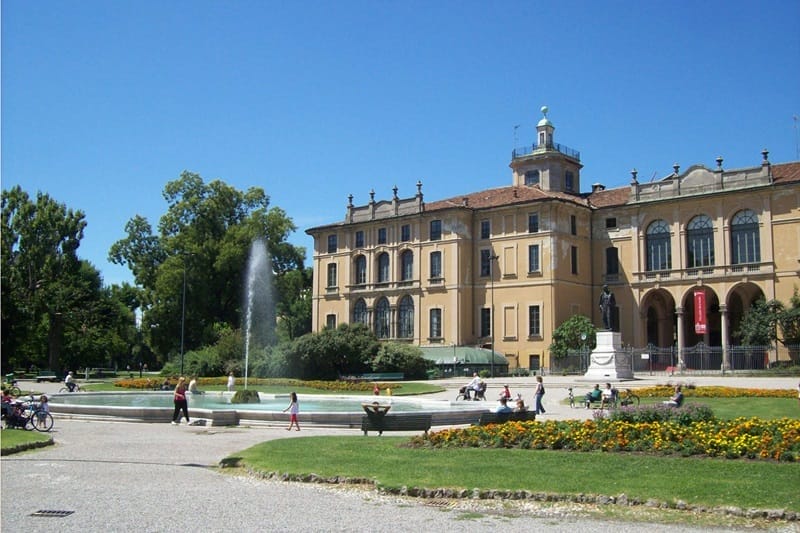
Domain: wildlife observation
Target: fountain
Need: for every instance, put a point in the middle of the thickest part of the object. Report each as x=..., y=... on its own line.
x=259, y=326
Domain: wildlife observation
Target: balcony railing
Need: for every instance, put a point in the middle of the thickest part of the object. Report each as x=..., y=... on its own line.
x=709, y=272
x=551, y=147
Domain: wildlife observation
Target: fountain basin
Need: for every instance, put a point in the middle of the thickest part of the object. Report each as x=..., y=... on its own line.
x=215, y=408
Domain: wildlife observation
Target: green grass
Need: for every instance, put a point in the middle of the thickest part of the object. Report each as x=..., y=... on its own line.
x=13, y=438
x=730, y=408
x=698, y=481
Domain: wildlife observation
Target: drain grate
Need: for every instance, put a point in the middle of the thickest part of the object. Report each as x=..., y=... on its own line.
x=56, y=514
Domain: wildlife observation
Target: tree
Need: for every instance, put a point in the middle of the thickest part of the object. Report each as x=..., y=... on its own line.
x=758, y=325
x=405, y=358
x=577, y=332
x=789, y=322
x=346, y=350
x=204, y=237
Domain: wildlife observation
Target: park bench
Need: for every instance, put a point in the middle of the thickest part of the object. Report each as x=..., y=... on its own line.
x=499, y=418
x=401, y=422
x=46, y=375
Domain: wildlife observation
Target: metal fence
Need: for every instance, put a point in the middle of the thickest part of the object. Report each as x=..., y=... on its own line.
x=697, y=359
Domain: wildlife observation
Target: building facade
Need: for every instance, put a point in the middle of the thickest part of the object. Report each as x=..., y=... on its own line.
x=685, y=256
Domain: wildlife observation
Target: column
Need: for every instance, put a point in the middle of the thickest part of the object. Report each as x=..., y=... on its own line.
x=726, y=354
x=681, y=363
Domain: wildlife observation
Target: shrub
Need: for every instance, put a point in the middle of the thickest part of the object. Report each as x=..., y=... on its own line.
x=245, y=396
x=684, y=416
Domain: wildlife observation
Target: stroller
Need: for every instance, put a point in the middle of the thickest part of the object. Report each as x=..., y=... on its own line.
x=14, y=415
x=464, y=393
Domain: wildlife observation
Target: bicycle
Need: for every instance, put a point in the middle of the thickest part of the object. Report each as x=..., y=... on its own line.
x=12, y=388
x=628, y=398
x=30, y=413
x=76, y=388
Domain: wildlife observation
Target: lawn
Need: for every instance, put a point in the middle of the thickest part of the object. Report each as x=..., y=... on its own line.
x=12, y=439
x=699, y=481
x=730, y=408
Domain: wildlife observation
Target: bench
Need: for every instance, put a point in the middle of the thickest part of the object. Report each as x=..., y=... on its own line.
x=403, y=422
x=500, y=418
x=47, y=375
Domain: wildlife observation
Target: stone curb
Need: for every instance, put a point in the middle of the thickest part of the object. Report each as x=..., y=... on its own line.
x=27, y=446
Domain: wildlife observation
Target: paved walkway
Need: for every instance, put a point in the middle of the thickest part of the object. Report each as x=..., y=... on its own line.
x=118, y=476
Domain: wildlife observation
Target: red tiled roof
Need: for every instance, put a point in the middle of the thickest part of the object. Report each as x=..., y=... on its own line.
x=786, y=172
x=502, y=196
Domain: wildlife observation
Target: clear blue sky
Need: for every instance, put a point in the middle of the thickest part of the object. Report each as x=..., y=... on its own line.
x=105, y=102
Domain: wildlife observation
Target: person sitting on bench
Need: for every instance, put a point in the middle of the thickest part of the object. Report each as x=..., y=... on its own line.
x=595, y=395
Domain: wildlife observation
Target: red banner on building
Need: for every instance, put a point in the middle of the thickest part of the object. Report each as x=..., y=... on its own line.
x=699, y=312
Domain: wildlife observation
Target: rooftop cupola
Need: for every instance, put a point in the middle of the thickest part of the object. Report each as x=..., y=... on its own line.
x=545, y=163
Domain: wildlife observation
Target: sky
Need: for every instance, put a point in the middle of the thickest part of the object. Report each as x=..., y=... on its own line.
x=103, y=102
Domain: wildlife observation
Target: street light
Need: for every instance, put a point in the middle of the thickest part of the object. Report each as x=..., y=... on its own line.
x=492, y=259
x=183, y=313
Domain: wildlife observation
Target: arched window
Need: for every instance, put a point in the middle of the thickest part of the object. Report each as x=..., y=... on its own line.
x=407, y=265
x=382, y=319
x=361, y=270
x=383, y=268
x=405, y=324
x=659, y=249
x=532, y=177
x=700, y=242
x=745, y=242
x=360, y=312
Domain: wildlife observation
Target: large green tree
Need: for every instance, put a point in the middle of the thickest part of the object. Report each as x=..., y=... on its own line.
x=575, y=333
x=55, y=312
x=200, y=253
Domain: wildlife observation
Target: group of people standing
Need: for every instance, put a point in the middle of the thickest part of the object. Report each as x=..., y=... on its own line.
x=505, y=399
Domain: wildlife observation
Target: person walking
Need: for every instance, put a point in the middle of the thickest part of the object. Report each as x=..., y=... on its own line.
x=231, y=381
x=293, y=409
x=179, y=399
x=537, y=396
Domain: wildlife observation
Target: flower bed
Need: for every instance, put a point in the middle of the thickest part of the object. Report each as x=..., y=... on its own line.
x=690, y=391
x=337, y=386
x=751, y=438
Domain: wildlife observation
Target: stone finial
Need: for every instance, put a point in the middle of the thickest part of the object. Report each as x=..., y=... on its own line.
x=372, y=195
x=419, y=187
x=676, y=167
x=765, y=155
x=634, y=173
x=394, y=191
x=349, y=200
x=719, y=163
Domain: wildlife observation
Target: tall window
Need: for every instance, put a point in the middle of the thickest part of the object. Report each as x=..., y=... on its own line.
x=534, y=321
x=533, y=223
x=405, y=324
x=407, y=265
x=612, y=261
x=436, y=323
x=486, y=229
x=659, y=249
x=436, y=230
x=745, y=242
x=405, y=232
x=532, y=177
x=486, y=322
x=533, y=258
x=330, y=321
x=569, y=180
x=361, y=270
x=382, y=319
x=436, y=265
x=360, y=312
x=332, y=243
x=359, y=239
x=331, y=275
x=383, y=268
x=381, y=235
x=486, y=263
x=699, y=242
x=573, y=225
x=573, y=257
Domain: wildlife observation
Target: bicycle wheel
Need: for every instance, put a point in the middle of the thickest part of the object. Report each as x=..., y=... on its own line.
x=42, y=421
x=14, y=391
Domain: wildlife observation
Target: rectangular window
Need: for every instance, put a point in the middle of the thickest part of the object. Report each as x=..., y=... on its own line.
x=486, y=229
x=486, y=263
x=533, y=258
x=436, y=230
x=569, y=180
x=436, y=324
x=405, y=232
x=359, y=239
x=436, y=265
x=330, y=321
x=381, y=235
x=533, y=223
x=486, y=322
x=332, y=243
x=612, y=261
x=574, y=259
x=611, y=222
x=534, y=321
x=331, y=275
x=573, y=224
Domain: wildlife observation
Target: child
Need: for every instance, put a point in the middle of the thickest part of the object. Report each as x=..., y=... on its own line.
x=44, y=407
x=293, y=409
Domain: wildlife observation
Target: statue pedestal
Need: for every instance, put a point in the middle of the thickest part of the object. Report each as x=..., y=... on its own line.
x=607, y=361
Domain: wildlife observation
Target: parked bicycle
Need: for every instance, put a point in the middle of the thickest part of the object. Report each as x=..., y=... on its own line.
x=12, y=388
x=32, y=413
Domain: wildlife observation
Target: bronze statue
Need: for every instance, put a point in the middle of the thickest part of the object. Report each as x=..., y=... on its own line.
x=607, y=305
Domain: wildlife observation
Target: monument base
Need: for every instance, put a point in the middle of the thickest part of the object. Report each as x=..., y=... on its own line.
x=607, y=360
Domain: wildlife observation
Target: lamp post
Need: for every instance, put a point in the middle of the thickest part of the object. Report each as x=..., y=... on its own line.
x=183, y=313
x=492, y=259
